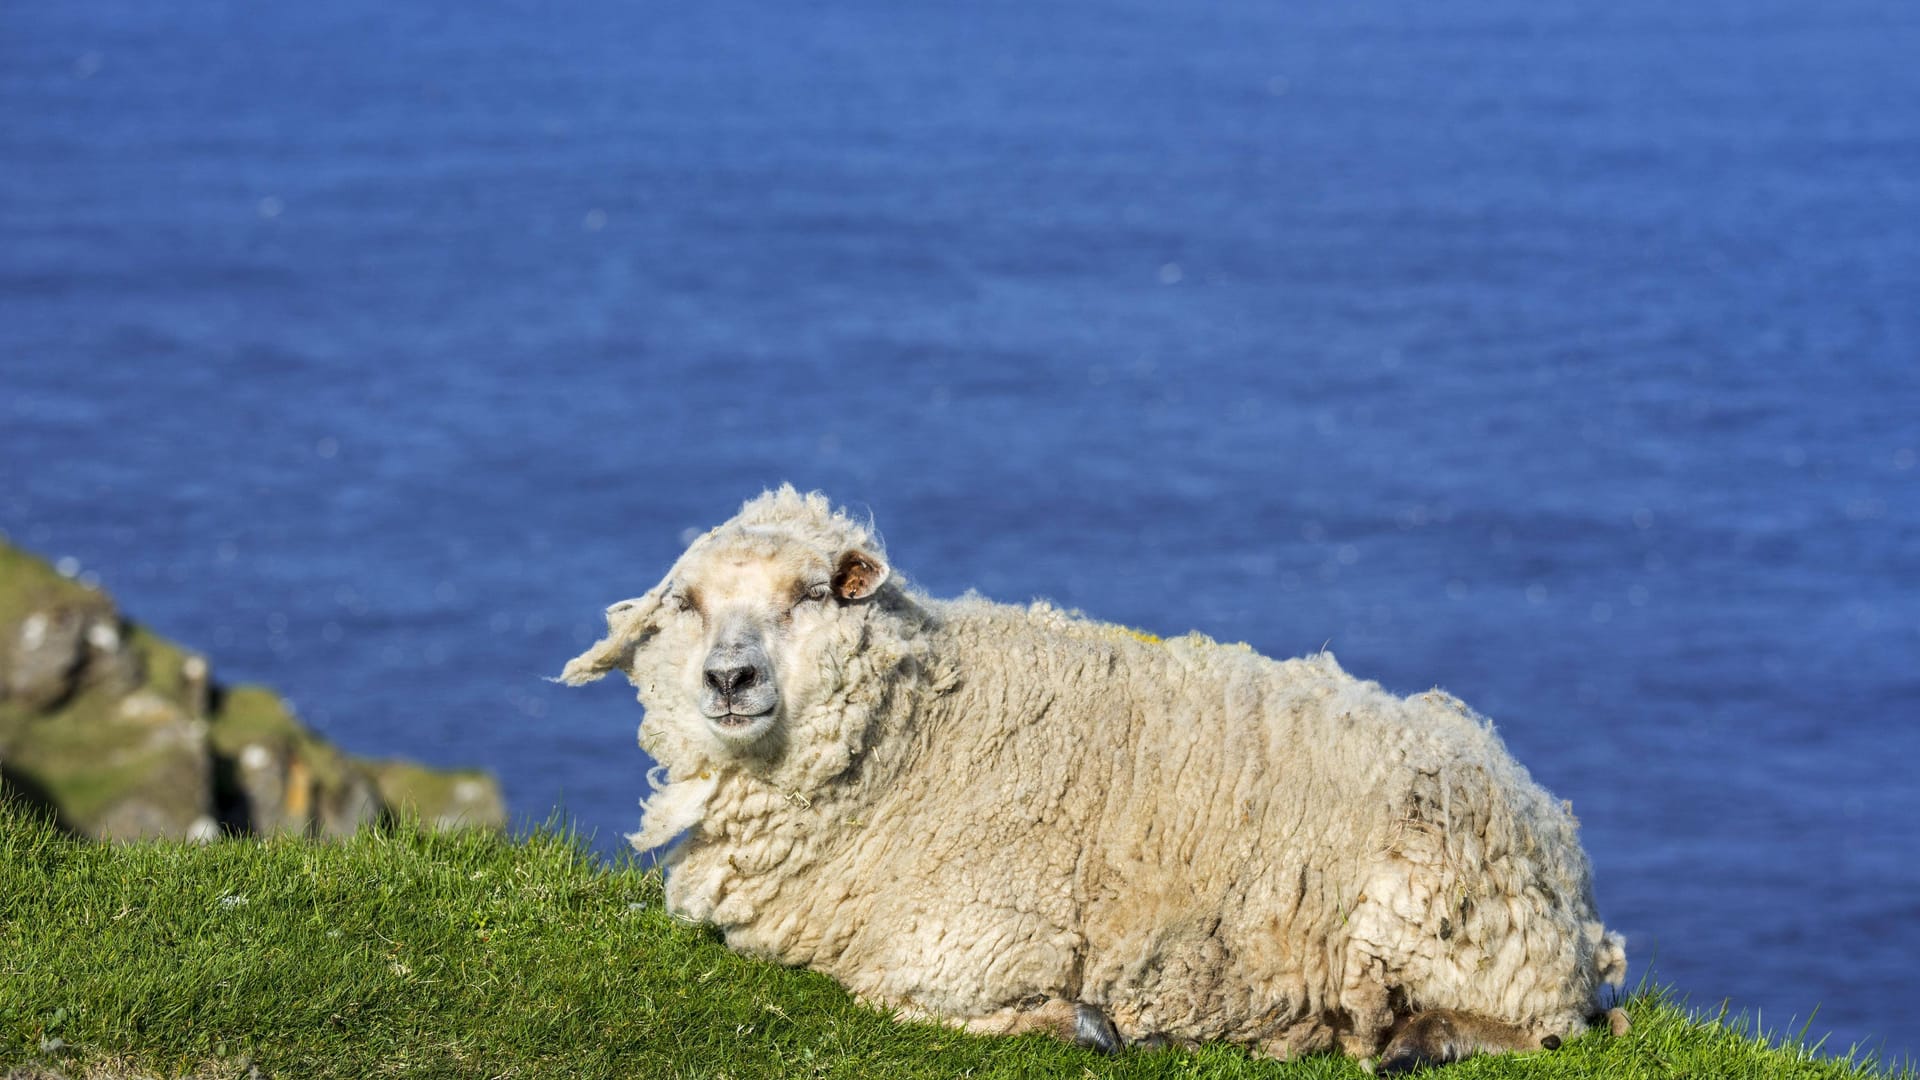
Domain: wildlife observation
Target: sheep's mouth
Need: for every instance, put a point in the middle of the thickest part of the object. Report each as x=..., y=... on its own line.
x=741, y=728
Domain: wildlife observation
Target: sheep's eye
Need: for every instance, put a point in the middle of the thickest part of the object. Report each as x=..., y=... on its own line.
x=679, y=602
x=818, y=592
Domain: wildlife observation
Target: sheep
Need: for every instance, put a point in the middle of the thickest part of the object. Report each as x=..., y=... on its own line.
x=1014, y=819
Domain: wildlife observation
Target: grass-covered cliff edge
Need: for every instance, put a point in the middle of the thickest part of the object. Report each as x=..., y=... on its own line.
x=123, y=734
x=474, y=955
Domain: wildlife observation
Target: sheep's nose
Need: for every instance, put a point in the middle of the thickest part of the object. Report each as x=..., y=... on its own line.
x=726, y=679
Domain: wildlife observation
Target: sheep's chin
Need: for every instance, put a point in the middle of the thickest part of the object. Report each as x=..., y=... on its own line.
x=736, y=730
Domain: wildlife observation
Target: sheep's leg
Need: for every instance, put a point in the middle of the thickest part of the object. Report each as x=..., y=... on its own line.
x=1068, y=1021
x=1438, y=1036
x=1054, y=1016
x=1367, y=1008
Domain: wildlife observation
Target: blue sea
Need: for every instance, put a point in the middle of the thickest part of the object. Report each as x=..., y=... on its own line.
x=1566, y=356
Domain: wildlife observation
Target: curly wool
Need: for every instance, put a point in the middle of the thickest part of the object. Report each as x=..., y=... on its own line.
x=994, y=810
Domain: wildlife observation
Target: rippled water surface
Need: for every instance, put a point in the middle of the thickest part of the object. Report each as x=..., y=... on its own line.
x=1566, y=357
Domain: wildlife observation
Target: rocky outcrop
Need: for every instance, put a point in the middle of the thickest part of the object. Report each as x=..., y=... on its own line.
x=124, y=735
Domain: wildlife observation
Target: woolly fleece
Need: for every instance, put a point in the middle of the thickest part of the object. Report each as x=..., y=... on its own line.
x=984, y=814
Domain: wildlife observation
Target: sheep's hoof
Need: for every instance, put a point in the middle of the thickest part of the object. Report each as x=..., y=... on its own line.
x=1150, y=1043
x=1093, y=1030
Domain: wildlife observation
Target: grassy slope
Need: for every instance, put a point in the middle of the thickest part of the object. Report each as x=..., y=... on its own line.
x=470, y=955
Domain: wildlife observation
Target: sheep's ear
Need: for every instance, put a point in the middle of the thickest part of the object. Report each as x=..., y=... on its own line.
x=629, y=623
x=858, y=574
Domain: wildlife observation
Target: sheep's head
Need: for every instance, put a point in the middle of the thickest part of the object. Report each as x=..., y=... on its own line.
x=749, y=611
x=740, y=634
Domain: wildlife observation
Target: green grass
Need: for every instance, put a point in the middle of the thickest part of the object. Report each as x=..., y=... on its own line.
x=465, y=954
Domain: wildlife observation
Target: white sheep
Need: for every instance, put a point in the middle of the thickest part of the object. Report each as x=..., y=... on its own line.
x=1017, y=818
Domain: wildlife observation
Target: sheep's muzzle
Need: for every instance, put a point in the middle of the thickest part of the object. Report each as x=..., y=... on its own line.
x=737, y=693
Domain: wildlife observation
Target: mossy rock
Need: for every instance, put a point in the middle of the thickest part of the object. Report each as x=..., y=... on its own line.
x=118, y=767
x=256, y=716
x=280, y=777
x=49, y=627
x=122, y=734
x=458, y=799
x=29, y=583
